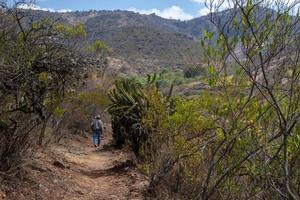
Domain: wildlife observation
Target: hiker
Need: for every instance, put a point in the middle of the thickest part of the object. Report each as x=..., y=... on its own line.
x=97, y=128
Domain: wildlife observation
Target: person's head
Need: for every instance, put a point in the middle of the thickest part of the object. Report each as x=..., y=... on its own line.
x=98, y=117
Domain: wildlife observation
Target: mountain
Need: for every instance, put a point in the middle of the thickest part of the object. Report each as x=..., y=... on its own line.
x=144, y=42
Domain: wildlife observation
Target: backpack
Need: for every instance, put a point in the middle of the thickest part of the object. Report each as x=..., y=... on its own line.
x=96, y=125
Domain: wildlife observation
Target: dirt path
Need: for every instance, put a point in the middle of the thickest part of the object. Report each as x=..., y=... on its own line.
x=76, y=170
x=104, y=173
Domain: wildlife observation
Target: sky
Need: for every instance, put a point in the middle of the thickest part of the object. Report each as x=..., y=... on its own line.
x=175, y=9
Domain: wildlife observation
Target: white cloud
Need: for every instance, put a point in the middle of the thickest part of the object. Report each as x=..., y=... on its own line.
x=204, y=11
x=226, y=4
x=212, y=6
x=64, y=10
x=198, y=1
x=174, y=12
x=35, y=7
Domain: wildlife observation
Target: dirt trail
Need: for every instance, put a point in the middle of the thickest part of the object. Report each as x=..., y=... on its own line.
x=104, y=173
x=76, y=170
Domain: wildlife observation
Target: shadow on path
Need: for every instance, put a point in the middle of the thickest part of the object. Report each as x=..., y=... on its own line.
x=117, y=169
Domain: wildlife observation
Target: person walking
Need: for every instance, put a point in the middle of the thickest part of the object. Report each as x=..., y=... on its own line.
x=97, y=128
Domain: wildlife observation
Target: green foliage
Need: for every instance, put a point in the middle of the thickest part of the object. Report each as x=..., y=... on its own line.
x=97, y=97
x=212, y=80
x=70, y=31
x=59, y=112
x=127, y=98
x=166, y=78
x=189, y=116
x=192, y=71
x=99, y=46
x=128, y=101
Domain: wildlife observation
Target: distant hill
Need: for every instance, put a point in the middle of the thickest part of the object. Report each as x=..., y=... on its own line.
x=144, y=42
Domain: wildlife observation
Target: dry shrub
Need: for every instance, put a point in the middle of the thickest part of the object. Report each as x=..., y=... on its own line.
x=16, y=139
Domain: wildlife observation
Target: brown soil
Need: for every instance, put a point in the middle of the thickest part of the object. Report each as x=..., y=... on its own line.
x=76, y=170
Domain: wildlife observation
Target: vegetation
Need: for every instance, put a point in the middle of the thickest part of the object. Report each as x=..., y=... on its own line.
x=192, y=71
x=40, y=65
x=130, y=100
x=240, y=138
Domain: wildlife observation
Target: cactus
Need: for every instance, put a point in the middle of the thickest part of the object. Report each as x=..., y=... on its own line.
x=128, y=103
x=131, y=103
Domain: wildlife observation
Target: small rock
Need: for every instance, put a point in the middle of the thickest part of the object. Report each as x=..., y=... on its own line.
x=80, y=192
x=2, y=195
x=39, y=168
x=43, y=187
x=59, y=164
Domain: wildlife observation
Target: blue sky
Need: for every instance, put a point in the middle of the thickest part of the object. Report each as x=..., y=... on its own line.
x=176, y=9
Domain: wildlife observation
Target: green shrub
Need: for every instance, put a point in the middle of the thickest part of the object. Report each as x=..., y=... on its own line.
x=192, y=71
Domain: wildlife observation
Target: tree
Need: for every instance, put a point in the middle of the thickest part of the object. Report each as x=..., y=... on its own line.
x=261, y=40
x=40, y=63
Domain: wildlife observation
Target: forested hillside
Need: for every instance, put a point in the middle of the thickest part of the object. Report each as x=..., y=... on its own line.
x=145, y=41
